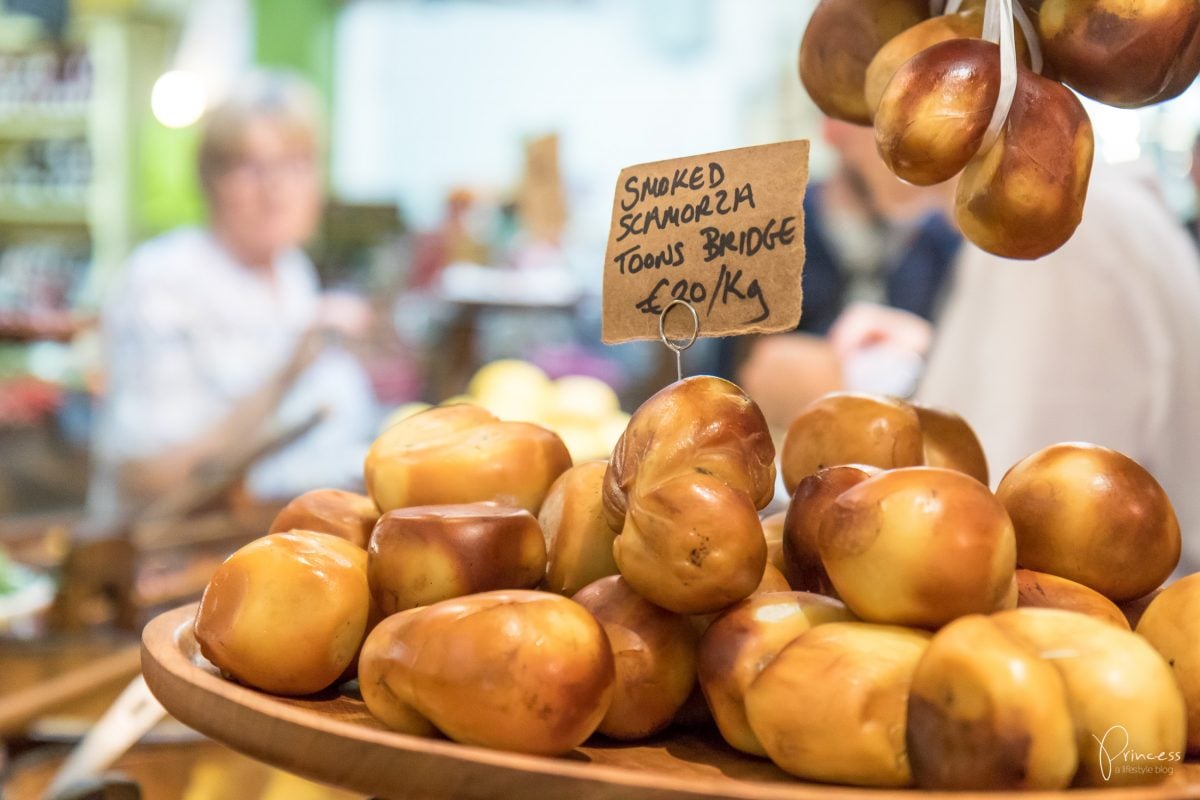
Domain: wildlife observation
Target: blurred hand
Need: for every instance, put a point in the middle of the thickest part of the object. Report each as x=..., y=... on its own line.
x=344, y=314
x=863, y=326
x=785, y=373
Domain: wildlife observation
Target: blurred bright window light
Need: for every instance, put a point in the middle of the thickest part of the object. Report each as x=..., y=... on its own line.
x=1118, y=132
x=178, y=98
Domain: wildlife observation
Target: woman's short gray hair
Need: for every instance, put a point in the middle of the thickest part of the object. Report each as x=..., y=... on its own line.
x=279, y=97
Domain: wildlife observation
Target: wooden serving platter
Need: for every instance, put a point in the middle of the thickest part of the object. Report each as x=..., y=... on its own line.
x=333, y=739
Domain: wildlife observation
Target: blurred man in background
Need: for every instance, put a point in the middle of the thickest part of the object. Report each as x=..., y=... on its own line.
x=213, y=335
x=869, y=238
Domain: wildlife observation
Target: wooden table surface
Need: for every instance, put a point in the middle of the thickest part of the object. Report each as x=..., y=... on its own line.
x=166, y=770
x=91, y=670
x=202, y=770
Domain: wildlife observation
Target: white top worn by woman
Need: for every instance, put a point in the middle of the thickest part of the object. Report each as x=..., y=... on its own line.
x=189, y=332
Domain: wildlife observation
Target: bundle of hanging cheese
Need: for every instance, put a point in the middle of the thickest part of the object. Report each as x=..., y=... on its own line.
x=930, y=84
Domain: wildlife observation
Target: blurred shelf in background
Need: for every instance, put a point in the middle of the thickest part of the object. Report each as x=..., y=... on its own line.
x=74, y=113
x=21, y=126
x=47, y=215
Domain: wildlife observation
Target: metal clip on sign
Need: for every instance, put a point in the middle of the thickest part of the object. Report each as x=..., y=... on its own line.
x=678, y=347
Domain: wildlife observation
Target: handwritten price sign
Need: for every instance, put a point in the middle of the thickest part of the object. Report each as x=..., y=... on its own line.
x=723, y=231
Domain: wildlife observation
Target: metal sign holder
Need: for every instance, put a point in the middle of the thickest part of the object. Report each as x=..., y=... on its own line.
x=678, y=347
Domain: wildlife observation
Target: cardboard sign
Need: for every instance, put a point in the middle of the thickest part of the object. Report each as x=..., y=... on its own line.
x=722, y=231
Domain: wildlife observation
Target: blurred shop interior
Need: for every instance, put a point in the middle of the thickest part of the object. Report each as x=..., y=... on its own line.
x=468, y=158
x=471, y=156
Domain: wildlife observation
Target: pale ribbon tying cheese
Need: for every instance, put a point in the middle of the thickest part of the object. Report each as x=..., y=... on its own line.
x=998, y=28
x=1031, y=37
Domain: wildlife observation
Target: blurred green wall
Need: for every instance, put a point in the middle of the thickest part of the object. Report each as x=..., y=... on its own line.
x=297, y=35
x=168, y=189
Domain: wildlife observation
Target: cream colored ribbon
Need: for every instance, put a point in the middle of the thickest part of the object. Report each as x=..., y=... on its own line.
x=998, y=28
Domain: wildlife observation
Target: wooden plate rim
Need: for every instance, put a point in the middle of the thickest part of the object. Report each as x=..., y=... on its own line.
x=178, y=683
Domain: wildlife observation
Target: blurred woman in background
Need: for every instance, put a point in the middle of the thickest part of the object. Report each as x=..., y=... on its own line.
x=213, y=335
